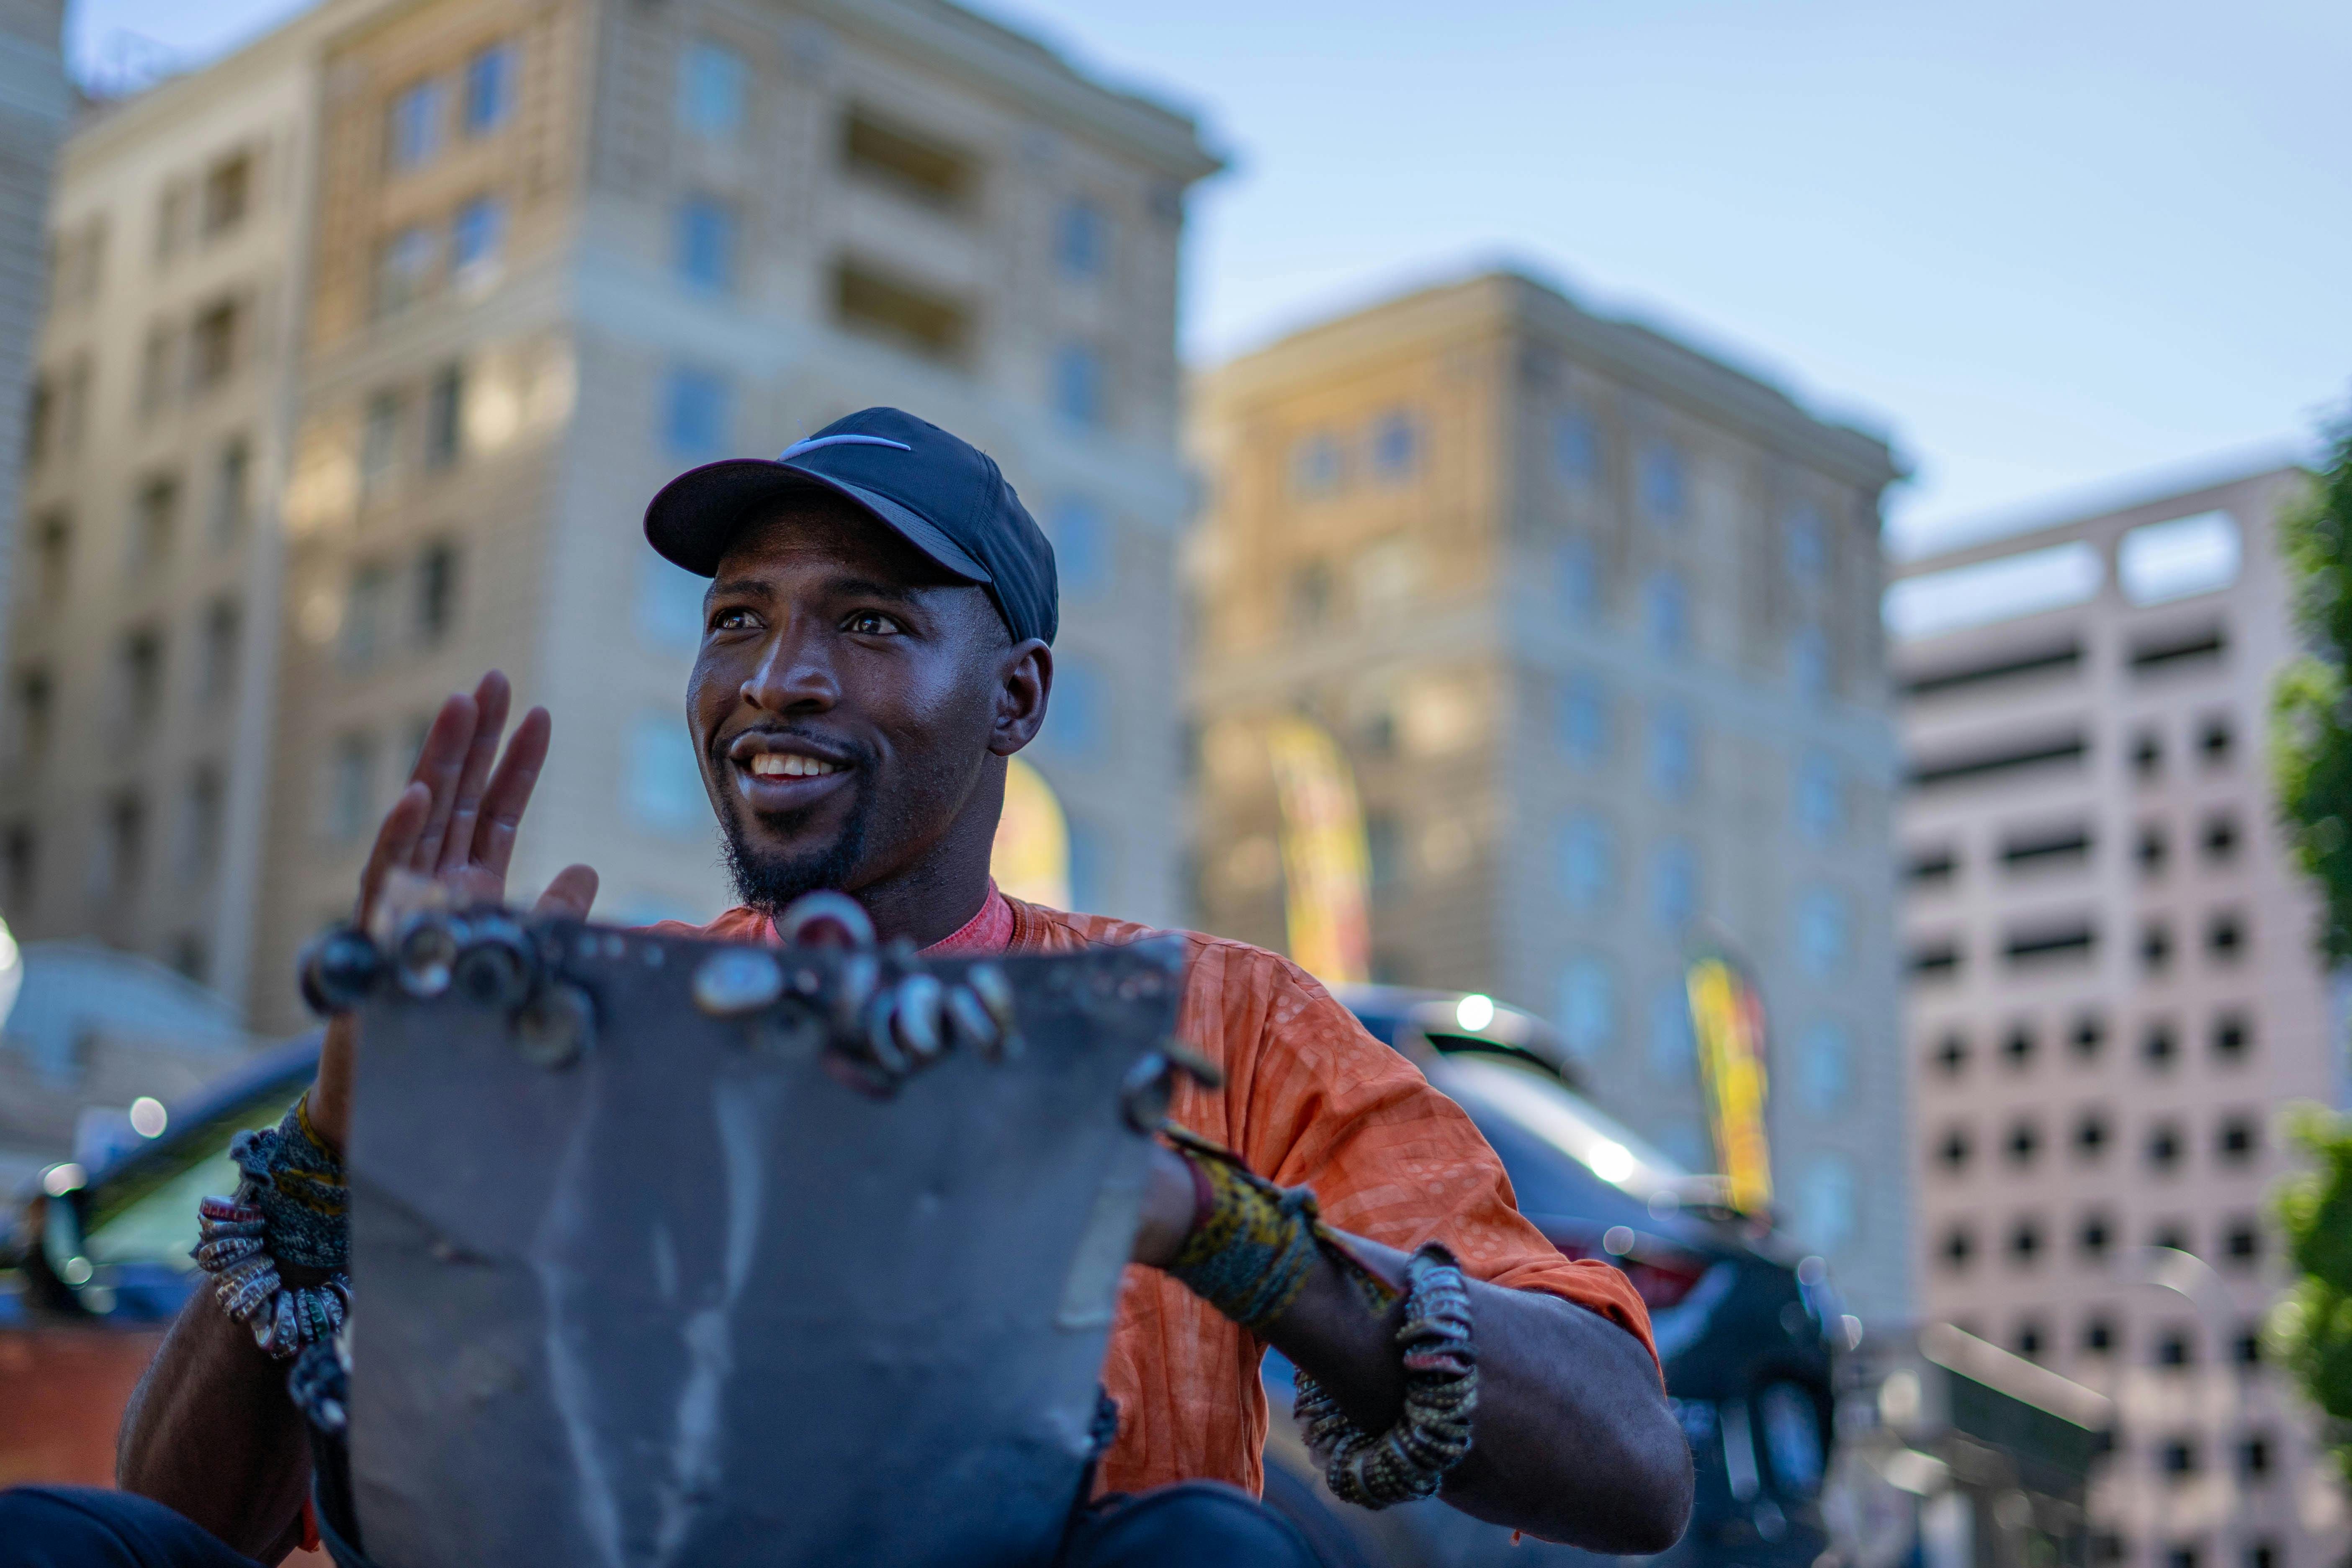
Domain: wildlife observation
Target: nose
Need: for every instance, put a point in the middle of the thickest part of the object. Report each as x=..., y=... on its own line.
x=793, y=675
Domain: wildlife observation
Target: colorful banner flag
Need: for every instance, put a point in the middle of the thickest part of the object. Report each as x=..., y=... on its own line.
x=1727, y=1022
x=1326, y=867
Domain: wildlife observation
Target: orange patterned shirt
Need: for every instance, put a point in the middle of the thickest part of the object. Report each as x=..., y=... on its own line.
x=1310, y=1098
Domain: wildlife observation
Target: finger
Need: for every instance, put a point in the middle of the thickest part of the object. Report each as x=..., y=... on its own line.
x=493, y=697
x=509, y=792
x=439, y=762
x=394, y=842
x=572, y=893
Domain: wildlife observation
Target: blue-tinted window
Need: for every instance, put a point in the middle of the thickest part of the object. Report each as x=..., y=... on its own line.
x=697, y=411
x=1081, y=239
x=713, y=89
x=413, y=134
x=1576, y=448
x=1587, y=860
x=1078, y=384
x=403, y=268
x=489, y=89
x=1396, y=446
x=1673, y=753
x=1824, y=1067
x=1808, y=662
x=1576, y=569
x=662, y=788
x=706, y=242
x=477, y=235
x=1824, y=1209
x=1077, y=715
x=1584, y=719
x=1822, y=932
x=1666, y=609
x=1661, y=481
x=1821, y=803
x=1807, y=543
x=1674, y=1048
x=1673, y=885
x=1082, y=546
x=1588, y=1006
x=1316, y=466
x=669, y=606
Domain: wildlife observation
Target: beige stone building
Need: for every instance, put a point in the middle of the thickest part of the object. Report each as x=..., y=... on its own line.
x=544, y=256
x=1594, y=618
x=35, y=102
x=2113, y=989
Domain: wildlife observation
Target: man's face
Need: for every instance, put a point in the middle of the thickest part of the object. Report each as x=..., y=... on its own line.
x=848, y=703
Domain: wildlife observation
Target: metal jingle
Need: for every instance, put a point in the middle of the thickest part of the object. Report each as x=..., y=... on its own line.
x=881, y=1050
x=915, y=1017
x=423, y=953
x=557, y=1028
x=736, y=979
x=996, y=993
x=806, y=919
x=216, y=1255
x=969, y=1023
x=1144, y=1094
x=496, y=967
x=339, y=969
x=227, y=1211
x=240, y=1295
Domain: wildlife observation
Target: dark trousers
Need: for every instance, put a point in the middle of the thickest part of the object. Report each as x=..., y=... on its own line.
x=1195, y=1522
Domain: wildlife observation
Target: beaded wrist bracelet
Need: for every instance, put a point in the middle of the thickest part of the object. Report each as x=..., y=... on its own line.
x=288, y=1215
x=1412, y=1458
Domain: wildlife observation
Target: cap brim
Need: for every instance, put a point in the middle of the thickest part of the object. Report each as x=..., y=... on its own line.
x=697, y=515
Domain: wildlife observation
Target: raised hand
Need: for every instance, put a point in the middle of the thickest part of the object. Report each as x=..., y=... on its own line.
x=450, y=833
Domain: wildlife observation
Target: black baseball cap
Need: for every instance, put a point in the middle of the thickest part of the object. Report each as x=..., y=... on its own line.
x=938, y=492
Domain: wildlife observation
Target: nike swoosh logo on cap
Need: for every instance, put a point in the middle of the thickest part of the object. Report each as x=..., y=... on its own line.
x=813, y=442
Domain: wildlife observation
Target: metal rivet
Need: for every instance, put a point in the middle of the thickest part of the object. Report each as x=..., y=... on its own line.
x=736, y=980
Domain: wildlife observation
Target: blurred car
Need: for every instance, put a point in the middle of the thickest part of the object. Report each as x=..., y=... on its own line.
x=97, y=1260
x=1746, y=1324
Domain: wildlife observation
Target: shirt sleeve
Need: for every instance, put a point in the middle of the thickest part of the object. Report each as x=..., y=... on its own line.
x=1389, y=1158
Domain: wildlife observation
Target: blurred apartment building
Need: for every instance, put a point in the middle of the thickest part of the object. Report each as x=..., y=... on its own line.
x=2113, y=989
x=410, y=307
x=35, y=102
x=1595, y=621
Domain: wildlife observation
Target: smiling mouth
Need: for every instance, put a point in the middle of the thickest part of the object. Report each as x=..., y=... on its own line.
x=792, y=765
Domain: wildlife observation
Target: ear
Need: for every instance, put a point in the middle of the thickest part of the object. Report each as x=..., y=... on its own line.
x=1024, y=682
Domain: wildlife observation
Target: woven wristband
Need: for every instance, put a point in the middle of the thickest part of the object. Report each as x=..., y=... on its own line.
x=1431, y=1435
x=1252, y=1243
x=290, y=1213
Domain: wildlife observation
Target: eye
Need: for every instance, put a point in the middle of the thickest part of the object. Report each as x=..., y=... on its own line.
x=870, y=624
x=733, y=620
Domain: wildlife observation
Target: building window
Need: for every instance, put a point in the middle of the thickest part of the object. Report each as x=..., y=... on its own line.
x=669, y=606
x=1584, y=719
x=1587, y=861
x=350, y=787
x=445, y=416
x=1078, y=384
x=1806, y=544
x=1588, y=1006
x=2156, y=947
x=905, y=315
x=1955, y=1148
x=706, y=243
x=2090, y=1034
x=2232, y=1035
x=2177, y=1458
x=2019, y=1046
x=2099, y=1336
x=1673, y=885
x=122, y=868
x=2158, y=1047
x=1575, y=449
x=436, y=593
x=697, y=413
x=2095, y=1236
x=2222, y=838
x=379, y=443
x=1576, y=575
x=367, y=617
x=909, y=163
x=1082, y=241
x=1078, y=714
x=1673, y=753
x=31, y=715
x=1674, y=1048
x=154, y=527
x=2091, y=1135
x=1082, y=547
x=2213, y=742
x=2236, y=1138
x=489, y=89
x=476, y=237
x=2241, y=1243
x=403, y=268
x=216, y=656
x=2024, y=1142
x=1316, y=466
x=2025, y=1243
x=200, y=825
x=2029, y=1340
x=662, y=786
x=156, y=362
x=213, y=344
x=1396, y=446
x=414, y=130
x=1821, y=806
x=1824, y=1067
x=1808, y=662
x=227, y=193
x=1662, y=482
x=713, y=89
x=1825, y=1204
x=1821, y=932
x=2164, y=1147
x=1666, y=612
x=1960, y=1247
x=1310, y=593
x=2225, y=938
x=20, y=862
x=232, y=492
x=53, y=560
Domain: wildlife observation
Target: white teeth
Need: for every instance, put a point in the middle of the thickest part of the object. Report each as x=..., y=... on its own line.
x=788, y=764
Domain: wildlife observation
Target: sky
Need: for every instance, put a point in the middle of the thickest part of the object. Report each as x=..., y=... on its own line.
x=2058, y=251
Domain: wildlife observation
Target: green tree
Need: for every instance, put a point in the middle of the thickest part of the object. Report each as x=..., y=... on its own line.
x=2311, y=765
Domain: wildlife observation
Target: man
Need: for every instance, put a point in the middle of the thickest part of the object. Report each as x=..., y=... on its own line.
x=877, y=640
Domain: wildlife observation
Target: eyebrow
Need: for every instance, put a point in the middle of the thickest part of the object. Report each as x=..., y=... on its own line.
x=855, y=587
